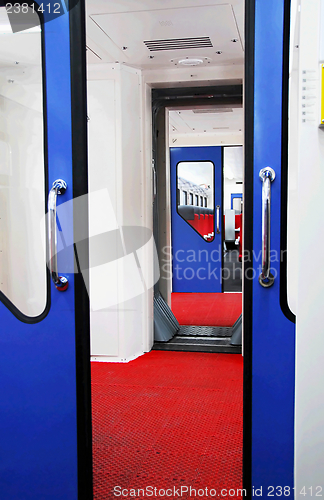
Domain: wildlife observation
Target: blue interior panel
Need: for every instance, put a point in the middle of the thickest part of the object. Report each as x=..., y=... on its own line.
x=273, y=340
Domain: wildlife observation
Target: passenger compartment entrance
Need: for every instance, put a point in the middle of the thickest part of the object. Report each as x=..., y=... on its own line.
x=198, y=224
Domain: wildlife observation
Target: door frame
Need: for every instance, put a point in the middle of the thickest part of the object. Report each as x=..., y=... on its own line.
x=77, y=17
x=223, y=188
x=164, y=99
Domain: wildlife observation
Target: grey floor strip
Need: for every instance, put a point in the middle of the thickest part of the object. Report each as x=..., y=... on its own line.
x=205, y=331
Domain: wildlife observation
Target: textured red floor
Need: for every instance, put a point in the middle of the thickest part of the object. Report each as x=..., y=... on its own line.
x=206, y=309
x=168, y=419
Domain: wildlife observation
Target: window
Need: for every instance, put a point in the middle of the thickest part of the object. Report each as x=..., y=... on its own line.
x=23, y=271
x=198, y=176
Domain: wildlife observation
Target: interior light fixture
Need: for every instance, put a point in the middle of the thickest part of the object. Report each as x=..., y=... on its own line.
x=190, y=62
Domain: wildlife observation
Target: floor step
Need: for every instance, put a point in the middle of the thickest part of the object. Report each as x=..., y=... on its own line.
x=198, y=344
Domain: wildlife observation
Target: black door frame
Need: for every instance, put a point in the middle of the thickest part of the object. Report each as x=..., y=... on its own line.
x=77, y=18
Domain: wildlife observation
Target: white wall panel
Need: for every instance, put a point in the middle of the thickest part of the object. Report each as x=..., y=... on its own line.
x=102, y=176
x=131, y=203
x=309, y=408
x=230, y=187
x=119, y=295
x=148, y=332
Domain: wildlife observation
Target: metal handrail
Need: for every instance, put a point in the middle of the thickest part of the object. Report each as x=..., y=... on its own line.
x=217, y=219
x=59, y=187
x=267, y=175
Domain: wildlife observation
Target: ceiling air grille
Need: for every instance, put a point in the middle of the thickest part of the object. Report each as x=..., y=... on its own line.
x=212, y=111
x=178, y=43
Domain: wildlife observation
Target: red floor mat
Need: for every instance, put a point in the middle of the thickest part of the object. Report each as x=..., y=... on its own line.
x=166, y=420
x=206, y=309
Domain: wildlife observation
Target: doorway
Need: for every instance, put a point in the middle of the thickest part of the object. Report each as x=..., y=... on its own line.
x=164, y=424
x=199, y=219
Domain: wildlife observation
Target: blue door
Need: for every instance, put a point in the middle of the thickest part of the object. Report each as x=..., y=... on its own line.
x=196, y=219
x=45, y=421
x=269, y=345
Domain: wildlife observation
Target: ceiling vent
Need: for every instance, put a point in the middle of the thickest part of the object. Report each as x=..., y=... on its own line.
x=212, y=111
x=178, y=43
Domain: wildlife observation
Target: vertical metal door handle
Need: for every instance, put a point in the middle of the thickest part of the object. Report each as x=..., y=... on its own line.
x=217, y=219
x=59, y=187
x=154, y=180
x=267, y=175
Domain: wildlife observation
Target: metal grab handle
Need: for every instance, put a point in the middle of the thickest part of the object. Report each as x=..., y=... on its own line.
x=59, y=187
x=267, y=175
x=217, y=219
x=154, y=180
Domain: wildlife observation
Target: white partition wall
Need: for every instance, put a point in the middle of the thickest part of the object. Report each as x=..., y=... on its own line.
x=120, y=277
x=309, y=430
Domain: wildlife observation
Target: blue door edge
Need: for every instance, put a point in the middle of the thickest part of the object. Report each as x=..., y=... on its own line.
x=77, y=19
x=249, y=114
x=249, y=30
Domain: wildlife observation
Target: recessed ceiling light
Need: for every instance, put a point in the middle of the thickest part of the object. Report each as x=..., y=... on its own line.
x=190, y=62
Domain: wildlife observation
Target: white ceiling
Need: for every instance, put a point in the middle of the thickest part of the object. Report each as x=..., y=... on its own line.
x=116, y=31
x=114, y=24
x=212, y=120
x=20, y=53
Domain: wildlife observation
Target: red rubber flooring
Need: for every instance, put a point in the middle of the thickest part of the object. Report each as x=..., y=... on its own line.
x=206, y=309
x=166, y=420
